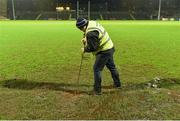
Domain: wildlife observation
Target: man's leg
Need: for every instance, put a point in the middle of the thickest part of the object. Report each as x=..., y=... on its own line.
x=114, y=72
x=100, y=62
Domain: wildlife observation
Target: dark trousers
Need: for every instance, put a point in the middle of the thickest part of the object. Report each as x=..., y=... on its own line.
x=105, y=59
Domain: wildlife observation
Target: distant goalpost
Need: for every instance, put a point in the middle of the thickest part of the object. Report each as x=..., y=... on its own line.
x=13, y=9
x=89, y=9
x=159, y=11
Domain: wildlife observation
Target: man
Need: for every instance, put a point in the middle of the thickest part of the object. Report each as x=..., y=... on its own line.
x=97, y=41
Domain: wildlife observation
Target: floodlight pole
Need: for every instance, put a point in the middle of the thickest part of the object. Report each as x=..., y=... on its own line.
x=159, y=12
x=14, y=16
x=89, y=9
x=77, y=10
x=57, y=13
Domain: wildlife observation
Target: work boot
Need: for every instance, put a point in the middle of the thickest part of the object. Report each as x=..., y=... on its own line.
x=97, y=90
x=97, y=93
x=117, y=86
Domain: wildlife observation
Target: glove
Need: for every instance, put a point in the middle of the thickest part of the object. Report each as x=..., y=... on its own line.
x=84, y=42
x=82, y=52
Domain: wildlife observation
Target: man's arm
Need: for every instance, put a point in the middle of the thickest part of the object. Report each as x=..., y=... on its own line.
x=92, y=41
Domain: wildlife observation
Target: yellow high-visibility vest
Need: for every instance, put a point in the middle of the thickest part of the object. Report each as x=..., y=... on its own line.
x=105, y=41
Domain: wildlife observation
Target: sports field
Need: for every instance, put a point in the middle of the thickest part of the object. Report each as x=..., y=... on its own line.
x=39, y=64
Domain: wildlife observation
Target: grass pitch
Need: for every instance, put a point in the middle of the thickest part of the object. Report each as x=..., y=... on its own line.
x=39, y=62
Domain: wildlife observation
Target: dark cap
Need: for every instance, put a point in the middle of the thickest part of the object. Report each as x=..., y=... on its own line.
x=81, y=22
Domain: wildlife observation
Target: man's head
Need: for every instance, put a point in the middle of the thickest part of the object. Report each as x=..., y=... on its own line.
x=82, y=23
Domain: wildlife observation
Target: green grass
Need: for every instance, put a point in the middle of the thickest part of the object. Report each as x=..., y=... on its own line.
x=39, y=63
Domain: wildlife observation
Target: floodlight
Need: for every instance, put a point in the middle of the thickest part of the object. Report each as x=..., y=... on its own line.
x=59, y=8
x=68, y=8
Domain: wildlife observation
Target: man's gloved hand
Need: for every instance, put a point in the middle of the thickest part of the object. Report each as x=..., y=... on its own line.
x=84, y=42
x=82, y=51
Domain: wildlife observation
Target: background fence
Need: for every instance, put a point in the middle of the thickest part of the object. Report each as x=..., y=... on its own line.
x=91, y=9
